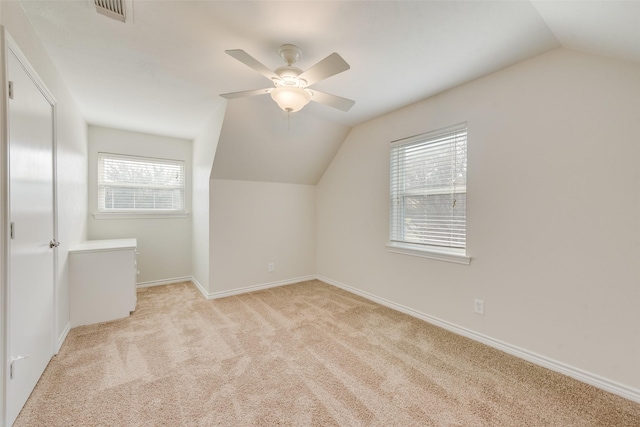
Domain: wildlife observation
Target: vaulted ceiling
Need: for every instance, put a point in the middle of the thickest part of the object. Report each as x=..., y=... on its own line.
x=161, y=72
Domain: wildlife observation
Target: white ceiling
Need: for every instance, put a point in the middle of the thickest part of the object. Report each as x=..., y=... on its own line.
x=162, y=72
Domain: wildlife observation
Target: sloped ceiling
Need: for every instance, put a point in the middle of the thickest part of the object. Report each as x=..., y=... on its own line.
x=609, y=28
x=162, y=71
x=260, y=143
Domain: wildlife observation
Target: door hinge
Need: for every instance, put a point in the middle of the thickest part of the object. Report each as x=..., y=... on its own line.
x=15, y=359
x=10, y=90
x=13, y=230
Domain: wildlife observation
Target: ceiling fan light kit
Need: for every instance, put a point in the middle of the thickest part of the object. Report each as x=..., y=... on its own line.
x=290, y=99
x=290, y=92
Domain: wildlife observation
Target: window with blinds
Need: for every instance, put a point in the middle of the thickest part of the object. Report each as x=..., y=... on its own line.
x=428, y=189
x=140, y=184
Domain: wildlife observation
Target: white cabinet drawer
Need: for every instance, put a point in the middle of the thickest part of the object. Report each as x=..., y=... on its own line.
x=103, y=276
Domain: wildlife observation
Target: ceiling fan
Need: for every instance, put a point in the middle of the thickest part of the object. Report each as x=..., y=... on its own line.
x=291, y=85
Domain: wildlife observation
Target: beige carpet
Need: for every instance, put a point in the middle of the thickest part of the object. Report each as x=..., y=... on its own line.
x=299, y=355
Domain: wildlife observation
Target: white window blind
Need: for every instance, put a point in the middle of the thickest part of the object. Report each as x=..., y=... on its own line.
x=140, y=184
x=428, y=189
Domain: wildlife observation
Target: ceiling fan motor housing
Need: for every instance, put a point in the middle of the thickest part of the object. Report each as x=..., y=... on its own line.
x=289, y=77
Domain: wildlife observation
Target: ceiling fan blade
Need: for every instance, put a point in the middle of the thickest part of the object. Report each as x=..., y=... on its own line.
x=245, y=93
x=251, y=62
x=329, y=66
x=334, y=101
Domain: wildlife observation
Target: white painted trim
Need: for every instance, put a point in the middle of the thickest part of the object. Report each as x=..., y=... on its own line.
x=4, y=225
x=247, y=289
x=164, y=282
x=200, y=287
x=145, y=215
x=31, y=71
x=540, y=360
x=425, y=252
x=62, y=337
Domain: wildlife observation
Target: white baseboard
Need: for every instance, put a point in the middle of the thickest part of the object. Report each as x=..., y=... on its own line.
x=202, y=290
x=63, y=337
x=163, y=282
x=253, y=288
x=554, y=365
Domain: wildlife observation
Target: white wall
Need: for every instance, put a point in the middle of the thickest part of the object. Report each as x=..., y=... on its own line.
x=164, y=243
x=257, y=223
x=71, y=150
x=553, y=213
x=204, y=149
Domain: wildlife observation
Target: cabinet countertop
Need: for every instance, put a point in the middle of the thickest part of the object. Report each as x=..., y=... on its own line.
x=104, y=245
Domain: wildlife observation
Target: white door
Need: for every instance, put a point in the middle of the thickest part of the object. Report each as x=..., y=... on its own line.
x=31, y=212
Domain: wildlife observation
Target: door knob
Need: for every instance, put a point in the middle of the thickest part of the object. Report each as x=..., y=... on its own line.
x=54, y=244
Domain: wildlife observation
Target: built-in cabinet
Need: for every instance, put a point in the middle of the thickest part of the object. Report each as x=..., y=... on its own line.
x=103, y=276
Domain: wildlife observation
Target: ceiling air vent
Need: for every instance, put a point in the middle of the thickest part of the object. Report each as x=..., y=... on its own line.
x=114, y=9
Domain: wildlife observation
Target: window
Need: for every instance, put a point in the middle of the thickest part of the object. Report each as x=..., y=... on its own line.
x=428, y=194
x=140, y=184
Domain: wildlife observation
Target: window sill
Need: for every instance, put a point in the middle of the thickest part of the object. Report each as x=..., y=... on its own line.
x=437, y=254
x=141, y=215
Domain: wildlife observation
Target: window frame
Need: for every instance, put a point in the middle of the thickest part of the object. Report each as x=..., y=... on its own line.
x=396, y=180
x=103, y=213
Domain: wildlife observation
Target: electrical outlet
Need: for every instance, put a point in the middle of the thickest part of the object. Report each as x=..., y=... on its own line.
x=271, y=267
x=478, y=306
